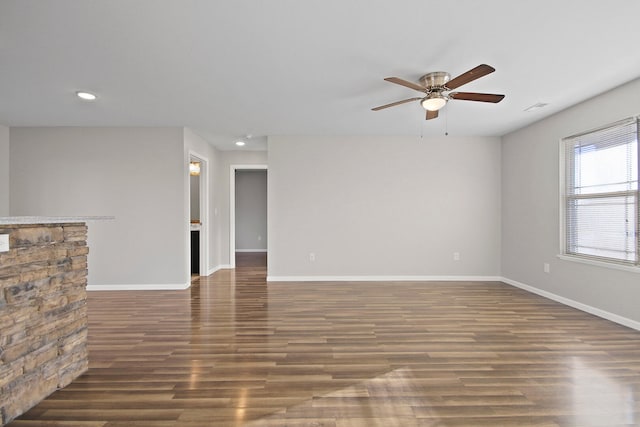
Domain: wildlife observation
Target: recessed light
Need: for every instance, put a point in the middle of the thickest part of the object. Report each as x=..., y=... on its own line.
x=86, y=96
x=240, y=143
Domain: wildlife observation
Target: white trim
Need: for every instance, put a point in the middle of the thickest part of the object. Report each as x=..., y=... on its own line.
x=598, y=263
x=219, y=267
x=232, y=206
x=563, y=142
x=140, y=287
x=204, y=213
x=251, y=250
x=575, y=304
x=622, y=122
x=561, y=197
x=384, y=279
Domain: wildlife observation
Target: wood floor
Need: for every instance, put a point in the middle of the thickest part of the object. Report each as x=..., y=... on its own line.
x=234, y=351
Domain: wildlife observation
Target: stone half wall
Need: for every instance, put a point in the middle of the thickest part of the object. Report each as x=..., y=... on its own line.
x=43, y=313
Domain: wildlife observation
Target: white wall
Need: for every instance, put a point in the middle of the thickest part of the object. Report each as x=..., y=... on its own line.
x=530, y=211
x=384, y=206
x=251, y=210
x=135, y=174
x=4, y=171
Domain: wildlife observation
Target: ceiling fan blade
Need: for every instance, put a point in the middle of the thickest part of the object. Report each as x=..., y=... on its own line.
x=432, y=114
x=405, y=83
x=473, y=96
x=393, y=104
x=469, y=76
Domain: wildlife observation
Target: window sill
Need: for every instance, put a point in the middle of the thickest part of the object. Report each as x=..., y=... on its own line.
x=632, y=269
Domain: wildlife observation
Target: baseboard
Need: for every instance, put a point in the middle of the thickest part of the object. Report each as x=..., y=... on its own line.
x=384, y=278
x=575, y=304
x=140, y=287
x=251, y=250
x=219, y=267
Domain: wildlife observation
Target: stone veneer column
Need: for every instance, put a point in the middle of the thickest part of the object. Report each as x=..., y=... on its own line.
x=43, y=313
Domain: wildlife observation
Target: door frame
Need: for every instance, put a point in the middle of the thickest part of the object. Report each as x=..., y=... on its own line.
x=232, y=207
x=204, y=214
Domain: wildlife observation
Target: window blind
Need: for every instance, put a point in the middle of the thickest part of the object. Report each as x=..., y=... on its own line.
x=601, y=193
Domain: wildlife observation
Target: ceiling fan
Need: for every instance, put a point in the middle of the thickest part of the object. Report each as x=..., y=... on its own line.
x=438, y=86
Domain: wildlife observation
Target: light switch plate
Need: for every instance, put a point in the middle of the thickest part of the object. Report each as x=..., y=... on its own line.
x=4, y=243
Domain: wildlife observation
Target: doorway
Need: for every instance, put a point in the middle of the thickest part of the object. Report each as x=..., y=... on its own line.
x=198, y=208
x=233, y=232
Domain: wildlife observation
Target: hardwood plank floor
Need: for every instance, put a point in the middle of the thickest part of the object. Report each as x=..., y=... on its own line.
x=234, y=351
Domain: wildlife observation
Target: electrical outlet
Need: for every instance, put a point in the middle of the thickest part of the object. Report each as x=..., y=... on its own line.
x=259, y=238
x=312, y=256
x=4, y=243
x=456, y=256
x=546, y=267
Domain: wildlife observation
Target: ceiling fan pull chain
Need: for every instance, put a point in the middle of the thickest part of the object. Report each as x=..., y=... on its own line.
x=446, y=123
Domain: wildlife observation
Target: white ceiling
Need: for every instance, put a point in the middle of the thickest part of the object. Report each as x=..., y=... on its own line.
x=305, y=67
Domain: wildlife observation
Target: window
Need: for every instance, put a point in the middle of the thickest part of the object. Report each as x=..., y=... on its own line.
x=600, y=206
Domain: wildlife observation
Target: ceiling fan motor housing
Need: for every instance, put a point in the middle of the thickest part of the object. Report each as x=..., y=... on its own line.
x=435, y=79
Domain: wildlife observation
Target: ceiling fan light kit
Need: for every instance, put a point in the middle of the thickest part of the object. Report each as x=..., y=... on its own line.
x=438, y=86
x=433, y=102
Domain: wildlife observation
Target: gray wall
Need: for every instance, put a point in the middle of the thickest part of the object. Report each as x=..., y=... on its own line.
x=194, y=194
x=135, y=174
x=222, y=185
x=530, y=209
x=251, y=210
x=384, y=206
x=4, y=171
x=193, y=143
x=218, y=181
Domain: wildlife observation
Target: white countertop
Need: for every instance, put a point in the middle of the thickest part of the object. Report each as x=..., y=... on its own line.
x=11, y=220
